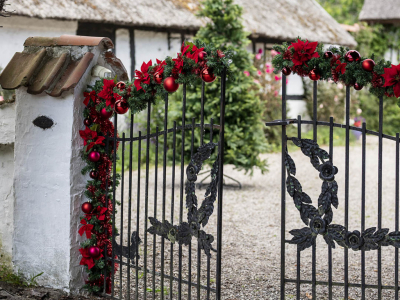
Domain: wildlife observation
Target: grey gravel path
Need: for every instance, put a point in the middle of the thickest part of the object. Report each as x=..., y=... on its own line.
x=251, y=230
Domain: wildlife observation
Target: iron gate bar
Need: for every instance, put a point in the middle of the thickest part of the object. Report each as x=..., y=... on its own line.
x=201, y=143
x=164, y=190
x=190, y=244
x=329, y=247
x=314, y=246
x=298, y=267
x=137, y=214
x=130, y=206
x=181, y=187
x=122, y=214
x=178, y=128
x=165, y=275
x=346, y=192
x=396, y=257
x=324, y=123
x=155, y=213
x=283, y=190
x=146, y=200
x=334, y=283
x=380, y=195
x=220, y=182
x=363, y=158
x=105, y=246
x=208, y=258
x=171, y=272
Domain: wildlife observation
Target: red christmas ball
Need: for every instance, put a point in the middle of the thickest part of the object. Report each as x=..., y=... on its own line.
x=207, y=75
x=352, y=55
x=170, y=85
x=121, y=85
x=314, y=74
x=94, y=156
x=202, y=55
x=368, y=65
x=87, y=207
x=105, y=114
x=158, y=77
x=121, y=106
x=328, y=54
x=87, y=122
x=94, y=251
x=358, y=86
x=286, y=71
x=94, y=174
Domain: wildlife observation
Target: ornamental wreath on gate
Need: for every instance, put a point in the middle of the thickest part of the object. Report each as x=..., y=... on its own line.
x=196, y=60
x=347, y=66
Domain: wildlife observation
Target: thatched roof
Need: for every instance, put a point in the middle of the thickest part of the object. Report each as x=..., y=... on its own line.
x=278, y=20
x=375, y=11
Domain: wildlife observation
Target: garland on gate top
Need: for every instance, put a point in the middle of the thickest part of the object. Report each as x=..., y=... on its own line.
x=196, y=60
x=338, y=64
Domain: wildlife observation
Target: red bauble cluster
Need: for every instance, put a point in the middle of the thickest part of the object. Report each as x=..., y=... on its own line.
x=105, y=114
x=121, y=85
x=88, y=122
x=352, y=55
x=286, y=71
x=170, y=84
x=358, y=86
x=94, y=252
x=368, y=65
x=207, y=75
x=328, y=54
x=94, y=156
x=314, y=74
x=121, y=106
x=158, y=77
x=202, y=55
x=87, y=207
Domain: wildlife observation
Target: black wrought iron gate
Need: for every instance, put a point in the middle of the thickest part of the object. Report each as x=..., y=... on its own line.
x=319, y=219
x=147, y=263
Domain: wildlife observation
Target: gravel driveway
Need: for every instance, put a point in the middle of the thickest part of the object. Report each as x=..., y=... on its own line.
x=251, y=230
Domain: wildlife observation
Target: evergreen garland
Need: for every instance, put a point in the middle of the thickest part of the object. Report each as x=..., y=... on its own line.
x=338, y=64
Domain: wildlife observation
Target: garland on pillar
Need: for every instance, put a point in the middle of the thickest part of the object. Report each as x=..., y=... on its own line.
x=196, y=60
x=338, y=64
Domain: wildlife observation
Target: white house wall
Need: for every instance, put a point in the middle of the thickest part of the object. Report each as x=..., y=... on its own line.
x=17, y=29
x=6, y=202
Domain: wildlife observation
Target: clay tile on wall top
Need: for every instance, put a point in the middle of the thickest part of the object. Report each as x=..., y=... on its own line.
x=69, y=40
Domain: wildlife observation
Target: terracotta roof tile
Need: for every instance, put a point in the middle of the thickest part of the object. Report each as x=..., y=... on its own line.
x=72, y=75
x=20, y=69
x=69, y=40
x=53, y=66
x=48, y=74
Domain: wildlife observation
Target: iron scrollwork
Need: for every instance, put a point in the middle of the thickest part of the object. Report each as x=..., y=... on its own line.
x=196, y=216
x=319, y=220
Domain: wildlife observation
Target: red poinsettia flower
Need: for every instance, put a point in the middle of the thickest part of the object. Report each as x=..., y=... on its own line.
x=159, y=68
x=303, y=51
x=392, y=78
x=178, y=67
x=86, y=260
x=87, y=134
x=142, y=76
x=341, y=67
x=89, y=96
x=86, y=228
x=107, y=93
x=102, y=214
x=193, y=53
x=98, y=141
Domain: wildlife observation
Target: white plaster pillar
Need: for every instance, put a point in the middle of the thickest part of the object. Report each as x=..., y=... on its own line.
x=49, y=187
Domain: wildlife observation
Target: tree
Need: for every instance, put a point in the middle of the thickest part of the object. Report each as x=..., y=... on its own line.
x=343, y=11
x=244, y=137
